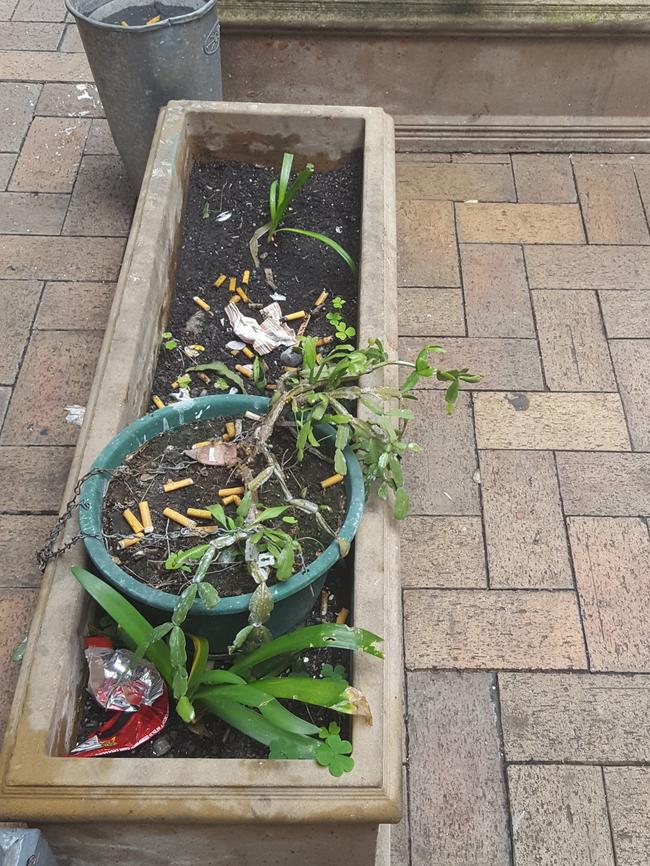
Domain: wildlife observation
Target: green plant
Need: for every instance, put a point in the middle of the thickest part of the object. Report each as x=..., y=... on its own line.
x=169, y=342
x=342, y=329
x=247, y=695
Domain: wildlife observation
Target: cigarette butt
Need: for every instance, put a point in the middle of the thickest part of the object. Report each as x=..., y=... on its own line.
x=304, y=325
x=145, y=517
x=342, y=616
x=320, y=300
x=230, y=491
x=211, y=528
x=324, y=596
x=246, y=277
x=123, y=24
x=129, y=542
x=331, y=481
x=242, y=294
x=244, y=371
x=235, y=299
x=201, y=303
x=252, y=416
x=237, y=500
x=197, y=347
x=174, y=384
x=270, y=386
x=202, y=513
x=132, y=520
x=203, y=444
x=232, y=284
x=291, y=317
x=204, y=378
x=157, y=402
x=248, y=352
x=179, y=518
x=221, y=279
x=226, y=437
x=229, y=500
x=230, y=428
x=324, y=341
x=170, y=486
x=290, y=369
x=154, y=20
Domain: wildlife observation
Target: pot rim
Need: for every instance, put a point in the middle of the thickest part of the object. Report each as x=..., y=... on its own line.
x=135, y=434
x=141, y=28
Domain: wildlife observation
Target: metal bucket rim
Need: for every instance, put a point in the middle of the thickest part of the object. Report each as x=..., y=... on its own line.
x=141, y=28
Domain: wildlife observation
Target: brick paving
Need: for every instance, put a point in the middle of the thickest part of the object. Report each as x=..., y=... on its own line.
x=526, y=557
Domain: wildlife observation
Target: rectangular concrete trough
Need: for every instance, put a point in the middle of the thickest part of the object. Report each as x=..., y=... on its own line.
x=121, y=811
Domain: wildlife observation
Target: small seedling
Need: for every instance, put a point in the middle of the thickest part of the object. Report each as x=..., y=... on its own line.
x=205, y=210
x=168, y=340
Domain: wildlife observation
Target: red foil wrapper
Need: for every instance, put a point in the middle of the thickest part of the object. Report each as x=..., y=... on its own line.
x=124, y=731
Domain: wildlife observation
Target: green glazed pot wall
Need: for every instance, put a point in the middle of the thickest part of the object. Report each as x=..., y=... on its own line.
x=293, y=599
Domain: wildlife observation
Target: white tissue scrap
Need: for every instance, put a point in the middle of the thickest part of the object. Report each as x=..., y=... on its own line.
x=235, y=346
x=276, y=296
x=75, y=414
x=264, y=337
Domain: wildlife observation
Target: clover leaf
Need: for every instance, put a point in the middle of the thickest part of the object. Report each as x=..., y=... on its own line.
x=334, y=754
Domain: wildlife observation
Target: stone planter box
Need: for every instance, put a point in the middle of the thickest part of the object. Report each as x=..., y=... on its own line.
x=122, y=811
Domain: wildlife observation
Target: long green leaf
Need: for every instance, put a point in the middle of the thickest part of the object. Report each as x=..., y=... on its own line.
x=270, y=708
x=345, y=255
x=319, y=692
x=220, y=368
x=285, y=174
x=197, y=671
x=300, y=180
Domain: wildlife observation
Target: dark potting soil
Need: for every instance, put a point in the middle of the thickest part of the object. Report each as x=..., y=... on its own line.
x=162, y=459
x=301, y=267
x=210, y=737
x=136, y=16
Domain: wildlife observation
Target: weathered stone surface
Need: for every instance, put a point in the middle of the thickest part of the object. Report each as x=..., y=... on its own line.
x=99, y=138
x=35, y=476
x=440, y=479
x=575, y=718
x=562, y=422
x=526, y=537
x=628, y=799
x=17, y=104
x=43, y=66
x=7, y=162
x=32, y=213
x=544, y=178
x=30, y=36
x=6, y=9
x=74, y=306
x=572, y=341
x=559, y=816
x=400, y=834
x=412, y=156
x=21, y=537
x=612, y=565
x=426, y=244
x=71, y=40
x=492, y=630
x=610, y=201
x=59, y=258
x=632, y=364
x=431, y=311
x=506, y=363
x=102, y=201
x=588, y=267
x=626, y=314
x=487, y=158
x=16, y=607
x=519, y=224
x=455, y=182
x=58, y=366
x=605, y=484
x=5, y=396
x=50, y=156
x=439, y=552
x=39, y=10
x=458, y=799
x=69, y=100
x=18, y=303
x=496, y=293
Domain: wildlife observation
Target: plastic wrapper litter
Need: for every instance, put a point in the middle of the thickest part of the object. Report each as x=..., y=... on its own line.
x=112, y=682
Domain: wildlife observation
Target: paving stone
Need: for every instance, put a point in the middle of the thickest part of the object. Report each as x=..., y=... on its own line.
x=559, y=816
x=503, y=363
x=575, y=718
x=18, y=303
x=28, y=35
x=430, y=311
x=71, y=41
x=69, y=100
x=442, y=552
x=5, y=395
x=491, y=629
x=611, y=205
x=17, y=103
x=496, y=292
x=626, y=314
x=21, y=537
x=400, y=834
x=440, y=479
x=544, y=178
x=490, y=158
x=455, y=182
x=604, y=484
x=458, y=799
x=562, y=422
x=43, y=66
x=7, y=162
x=32, y=213
x=102, y=201
x=75, y=306
x=50, y=156
x=36, y=477
x=99, y=138
x=572, y=341
x=519, y=224
x=93, y=259
x=632, y=364
x=405, y=156
x=16, y=606
x=628, y=798
x=427, y=250
x=6, y=9
x=39, y=10
x=612, y=566
x=57, y=372
x=588, y=267
x=525, y=533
